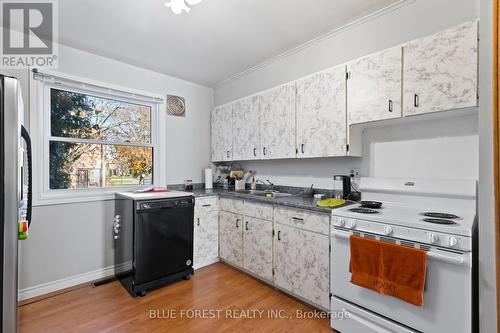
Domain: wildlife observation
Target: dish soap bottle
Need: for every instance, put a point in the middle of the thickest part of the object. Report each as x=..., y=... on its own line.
x=253, y=186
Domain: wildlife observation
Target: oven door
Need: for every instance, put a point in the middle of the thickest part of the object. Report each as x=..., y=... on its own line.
x=447, y=294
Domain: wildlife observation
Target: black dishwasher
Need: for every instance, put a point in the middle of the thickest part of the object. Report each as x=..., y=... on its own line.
x=153, y=242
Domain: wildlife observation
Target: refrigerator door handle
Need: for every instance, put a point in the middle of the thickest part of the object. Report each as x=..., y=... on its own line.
x=26, y=136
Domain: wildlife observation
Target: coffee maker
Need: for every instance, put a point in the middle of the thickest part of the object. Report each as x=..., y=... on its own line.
x=341, y=186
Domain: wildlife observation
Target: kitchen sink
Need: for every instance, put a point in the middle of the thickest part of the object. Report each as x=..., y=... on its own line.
x=273, y=194
x=266, y=194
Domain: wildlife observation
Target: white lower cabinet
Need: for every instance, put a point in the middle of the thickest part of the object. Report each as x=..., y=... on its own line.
x=206, y=239
x=231, y=237
x=301, y=264
x=258, y=247
x=206, y=232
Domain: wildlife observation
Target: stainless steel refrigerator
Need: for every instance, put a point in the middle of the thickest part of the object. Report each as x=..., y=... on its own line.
x=15, y=204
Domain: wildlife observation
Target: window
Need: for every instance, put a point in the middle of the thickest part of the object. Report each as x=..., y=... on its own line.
x=97, y=142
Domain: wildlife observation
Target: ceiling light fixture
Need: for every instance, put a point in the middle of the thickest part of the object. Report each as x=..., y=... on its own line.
x=178, y=6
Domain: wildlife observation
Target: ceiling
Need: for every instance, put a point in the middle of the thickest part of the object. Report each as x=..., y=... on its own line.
x=215, y=41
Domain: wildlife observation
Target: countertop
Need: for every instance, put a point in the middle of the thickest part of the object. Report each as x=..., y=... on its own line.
x=295, y=200
x=153, y=195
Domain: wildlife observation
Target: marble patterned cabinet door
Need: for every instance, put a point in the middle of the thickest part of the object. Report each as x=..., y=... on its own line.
x=277, y=122
x=206, y=238
x=231, y=238
x=374, y=87
x=246, y=129
x=440, y=71
x=258, y=247
x=221, y=133
x=321, y=114
x=301, y=264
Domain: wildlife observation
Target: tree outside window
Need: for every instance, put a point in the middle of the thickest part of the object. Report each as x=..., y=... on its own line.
x=98, y=142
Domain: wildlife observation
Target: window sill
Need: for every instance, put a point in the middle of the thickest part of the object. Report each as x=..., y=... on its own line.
x=60, y=197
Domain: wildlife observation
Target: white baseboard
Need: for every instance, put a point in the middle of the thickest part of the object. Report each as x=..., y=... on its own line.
x=71, y=281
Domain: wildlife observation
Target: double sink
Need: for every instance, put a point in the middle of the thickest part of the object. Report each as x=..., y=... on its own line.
x=265, y=194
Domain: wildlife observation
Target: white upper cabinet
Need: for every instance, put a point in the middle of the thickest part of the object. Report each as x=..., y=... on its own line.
x=246, y=129
x=374, y=87
x=440, y=71
x=321, y=114
x=221, y=131
x=277, y=122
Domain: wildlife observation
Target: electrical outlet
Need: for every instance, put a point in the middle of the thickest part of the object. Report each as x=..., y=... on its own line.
x=354, y=172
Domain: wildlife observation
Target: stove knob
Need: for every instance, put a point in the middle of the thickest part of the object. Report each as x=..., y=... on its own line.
x=433, y=238
x=452, y=241
x=387, y=230
x=351, y=224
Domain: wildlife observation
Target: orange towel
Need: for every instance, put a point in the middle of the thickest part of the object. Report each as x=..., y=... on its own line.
x=388, y=269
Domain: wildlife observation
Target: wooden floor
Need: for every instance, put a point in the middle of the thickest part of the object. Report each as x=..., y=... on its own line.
x=109, y=308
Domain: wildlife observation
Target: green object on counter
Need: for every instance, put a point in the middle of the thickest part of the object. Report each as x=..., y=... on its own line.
x=330, y=202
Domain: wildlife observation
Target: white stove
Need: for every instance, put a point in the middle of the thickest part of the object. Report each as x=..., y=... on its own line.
x=437, y=216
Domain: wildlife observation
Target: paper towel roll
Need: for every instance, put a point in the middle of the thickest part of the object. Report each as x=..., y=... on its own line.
x=209, y=181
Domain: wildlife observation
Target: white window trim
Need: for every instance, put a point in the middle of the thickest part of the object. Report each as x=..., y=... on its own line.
x=41, y=135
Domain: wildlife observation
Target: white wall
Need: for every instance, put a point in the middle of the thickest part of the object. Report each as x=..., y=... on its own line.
x=73, y=239
x=487, y=271
x=441, y=148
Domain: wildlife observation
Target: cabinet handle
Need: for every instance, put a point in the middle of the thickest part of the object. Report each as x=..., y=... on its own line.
x=302, y=148
x=228, y=153
x=198, y=221
x=390, y=105
x=279, y=235
x=415, y=101
x=246, y=225
x=237, y=225
x=264, y=150
x=298, y=219
x=207, y=205
x=255, y=152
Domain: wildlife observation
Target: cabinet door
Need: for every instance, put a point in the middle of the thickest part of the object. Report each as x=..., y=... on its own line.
x=221, y=133
x=277, y=122
x=206, y=238
x=374, y=87
x=301, y=264
x=440, y=71
x=231, y=238
x=321, y=114
x=246, y=127
x=258, y=247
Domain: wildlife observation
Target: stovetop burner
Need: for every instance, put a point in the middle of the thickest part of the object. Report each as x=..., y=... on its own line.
x=440, y=215
x=439, y=221
x=364, y=210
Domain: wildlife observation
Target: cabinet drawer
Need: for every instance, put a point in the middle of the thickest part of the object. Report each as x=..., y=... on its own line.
x=231, y=205
x=303, y=219
x=259, y=210
x=206, y=204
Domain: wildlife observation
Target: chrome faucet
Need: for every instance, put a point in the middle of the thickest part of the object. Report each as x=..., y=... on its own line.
x=267, y=183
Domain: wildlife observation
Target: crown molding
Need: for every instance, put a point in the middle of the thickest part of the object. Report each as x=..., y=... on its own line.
x=336, y=31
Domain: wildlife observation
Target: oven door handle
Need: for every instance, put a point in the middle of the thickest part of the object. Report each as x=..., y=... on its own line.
x=341, y=234
x=464, y=259
x=456, y=259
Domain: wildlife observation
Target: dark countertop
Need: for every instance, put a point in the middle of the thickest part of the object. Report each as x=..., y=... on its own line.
x=294, y=201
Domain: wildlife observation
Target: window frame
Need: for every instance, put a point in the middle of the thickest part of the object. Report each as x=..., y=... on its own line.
x=43, y=194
